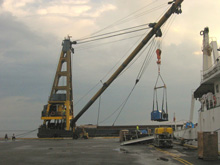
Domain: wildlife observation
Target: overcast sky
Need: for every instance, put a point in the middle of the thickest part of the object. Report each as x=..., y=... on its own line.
x=31, y=33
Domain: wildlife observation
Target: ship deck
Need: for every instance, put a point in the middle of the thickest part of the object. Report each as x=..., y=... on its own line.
x=92, y=151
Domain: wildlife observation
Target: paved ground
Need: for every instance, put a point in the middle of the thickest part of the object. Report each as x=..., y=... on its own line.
x=92, y=152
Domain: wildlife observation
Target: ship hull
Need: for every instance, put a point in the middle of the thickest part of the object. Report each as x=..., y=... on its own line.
x=94, y=131
x=209, y=122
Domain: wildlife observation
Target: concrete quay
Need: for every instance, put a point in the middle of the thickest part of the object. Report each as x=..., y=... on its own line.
x=92, y=152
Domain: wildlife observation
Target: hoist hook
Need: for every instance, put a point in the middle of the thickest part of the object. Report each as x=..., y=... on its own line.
x=158, y=51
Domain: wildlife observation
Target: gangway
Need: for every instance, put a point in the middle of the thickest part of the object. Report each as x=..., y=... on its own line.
x=139, y=140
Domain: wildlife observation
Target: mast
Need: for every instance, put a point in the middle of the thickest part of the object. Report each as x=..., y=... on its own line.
x=207, y=60
x=175, y=8
x=60, y=103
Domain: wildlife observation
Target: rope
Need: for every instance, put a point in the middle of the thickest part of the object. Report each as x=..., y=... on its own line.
x=170, y=22
x=166, y=101
x=146, y=61
x=136, y=58
x=163, y=99
x=122, y=19
x=164, y=96
x=112, y=32
x=86, y=94
x=82, y=48
x=105, y=75
x=138, y=77
x=115, y=35
x=146, y=12
x=112, y=113
x=144, y=66
x=157, y=100
x=19, y=135
x=115, y=66
x=125, y=103
x=164, y=93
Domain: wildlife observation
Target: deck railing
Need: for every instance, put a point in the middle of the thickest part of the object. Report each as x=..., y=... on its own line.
x=211, y=70
x=209, y=101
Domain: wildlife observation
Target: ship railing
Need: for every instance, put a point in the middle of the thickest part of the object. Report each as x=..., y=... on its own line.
x=211, y=70
x=210, y=101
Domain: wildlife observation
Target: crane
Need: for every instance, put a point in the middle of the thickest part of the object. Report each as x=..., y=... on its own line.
x=60, y=124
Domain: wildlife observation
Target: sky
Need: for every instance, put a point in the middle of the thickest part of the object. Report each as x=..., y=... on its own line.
x=31, y=33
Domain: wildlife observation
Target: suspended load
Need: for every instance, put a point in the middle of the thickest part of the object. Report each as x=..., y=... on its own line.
x=159, y=114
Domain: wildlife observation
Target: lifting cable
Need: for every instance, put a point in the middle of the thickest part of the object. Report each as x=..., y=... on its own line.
x=128, y=18
x=134, y=17
x=106, y=74
x=139, y=75
x=150, y=43
x=81, y=41
x=112, y=32
x=82, y=48
x=141, y=14
x=170, y=22
x=146, y=60
x=122, y=19
x=115, y=35
x=155, y=92
x=121, y=107
x=146, y=12
x=127, y=68
x=142, y=70
x=164, y=96
x=86, y=94
x=24, y=134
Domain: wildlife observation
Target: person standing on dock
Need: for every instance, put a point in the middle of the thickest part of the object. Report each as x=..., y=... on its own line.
x=6, y=137
x=137, y=131
x=13, y=137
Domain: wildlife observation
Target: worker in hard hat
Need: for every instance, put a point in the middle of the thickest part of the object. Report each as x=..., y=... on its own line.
x=137, y=131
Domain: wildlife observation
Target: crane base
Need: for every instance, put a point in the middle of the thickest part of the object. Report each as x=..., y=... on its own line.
x=53, y=133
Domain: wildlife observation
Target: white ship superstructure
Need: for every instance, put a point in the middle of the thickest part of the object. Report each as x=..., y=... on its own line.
x=208, y=93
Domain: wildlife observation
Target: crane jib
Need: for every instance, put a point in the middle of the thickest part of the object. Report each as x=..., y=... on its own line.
x=175, y=8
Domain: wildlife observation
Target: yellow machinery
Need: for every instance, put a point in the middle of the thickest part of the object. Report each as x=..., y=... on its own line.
x=58, y=113
x=163, y=137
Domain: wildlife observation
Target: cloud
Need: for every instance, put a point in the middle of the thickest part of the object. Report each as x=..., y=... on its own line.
x=197, y=53
x=57, y=17
x=102, y=9
x=63, y=10
x=24, y=57
x=31, y=33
